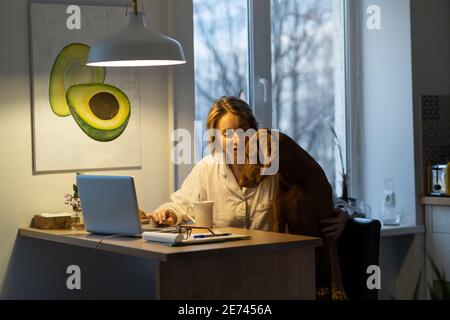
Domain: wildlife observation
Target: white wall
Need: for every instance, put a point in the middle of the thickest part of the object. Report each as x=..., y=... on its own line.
x=387, y=138
x=182, y=78
x=23, y=194
x=387, y=110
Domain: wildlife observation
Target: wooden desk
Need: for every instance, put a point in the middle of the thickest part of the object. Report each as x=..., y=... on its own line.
x=267, y=266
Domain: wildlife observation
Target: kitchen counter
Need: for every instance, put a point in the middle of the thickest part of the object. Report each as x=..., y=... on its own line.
x=436, y=201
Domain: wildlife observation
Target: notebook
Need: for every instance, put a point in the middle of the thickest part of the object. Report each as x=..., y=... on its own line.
x=176, y=239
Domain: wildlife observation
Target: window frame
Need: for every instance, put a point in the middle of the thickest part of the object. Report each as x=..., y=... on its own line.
x=261, y=69
x=182, y=103
x=354, y=118
x=260, y=61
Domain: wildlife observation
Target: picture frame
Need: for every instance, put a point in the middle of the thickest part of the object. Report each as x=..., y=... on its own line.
x=83, y=118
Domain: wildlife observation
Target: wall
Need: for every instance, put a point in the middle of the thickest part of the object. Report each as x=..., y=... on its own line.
x=430, y=60
x=408, y=58
x=387, y=115
x=387, y=138
x=430, y=21
x=403, y=258
x=182, y=79
x=23, y=194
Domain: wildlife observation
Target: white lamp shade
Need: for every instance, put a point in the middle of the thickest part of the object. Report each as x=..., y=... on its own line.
x=135, y=46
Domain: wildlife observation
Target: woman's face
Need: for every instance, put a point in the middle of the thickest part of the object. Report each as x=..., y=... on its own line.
x=231, y=122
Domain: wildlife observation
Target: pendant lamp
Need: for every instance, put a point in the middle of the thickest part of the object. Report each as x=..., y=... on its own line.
x=136, y=45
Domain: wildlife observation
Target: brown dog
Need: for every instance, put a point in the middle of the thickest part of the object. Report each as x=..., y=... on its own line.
x=304, y=198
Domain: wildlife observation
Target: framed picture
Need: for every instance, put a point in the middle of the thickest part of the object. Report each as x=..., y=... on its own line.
x=84, y=118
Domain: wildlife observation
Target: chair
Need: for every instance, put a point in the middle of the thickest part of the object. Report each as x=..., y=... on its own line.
x=358, y=248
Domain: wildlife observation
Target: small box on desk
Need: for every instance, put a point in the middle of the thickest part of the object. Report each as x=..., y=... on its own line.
x=49, y=221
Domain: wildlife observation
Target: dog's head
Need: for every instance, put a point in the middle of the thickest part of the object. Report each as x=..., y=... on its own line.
x=260, y=154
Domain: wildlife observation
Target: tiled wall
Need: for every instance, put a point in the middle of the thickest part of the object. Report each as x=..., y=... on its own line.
x=436, y=129
x=435, y=133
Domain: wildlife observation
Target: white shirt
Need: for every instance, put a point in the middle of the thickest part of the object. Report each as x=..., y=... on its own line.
x=213, y=180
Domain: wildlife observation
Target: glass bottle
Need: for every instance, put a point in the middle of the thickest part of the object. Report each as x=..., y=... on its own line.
x=389, y=214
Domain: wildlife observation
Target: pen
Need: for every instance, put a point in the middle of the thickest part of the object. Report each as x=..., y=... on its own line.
x=202, y=236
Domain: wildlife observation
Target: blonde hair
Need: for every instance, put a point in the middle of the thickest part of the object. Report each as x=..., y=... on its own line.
x=233, y=105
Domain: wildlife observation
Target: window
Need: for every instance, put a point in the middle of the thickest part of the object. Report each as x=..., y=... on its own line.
x=300, y=89
x=308, y=78
x=221, y=51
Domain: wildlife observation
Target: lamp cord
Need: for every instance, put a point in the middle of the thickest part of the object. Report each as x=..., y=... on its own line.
x=99, y=243
x=134, y=6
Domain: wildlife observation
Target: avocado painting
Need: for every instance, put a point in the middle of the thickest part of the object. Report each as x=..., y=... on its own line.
x=70, y=69
x=102, y=111
x=84, y=118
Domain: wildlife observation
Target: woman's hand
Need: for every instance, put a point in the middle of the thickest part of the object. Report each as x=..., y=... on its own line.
x=145, y=219
x=336, y=225
x=163, y=217
x=143, y=215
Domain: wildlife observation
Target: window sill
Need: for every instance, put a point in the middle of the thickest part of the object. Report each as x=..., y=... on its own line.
x=401, y=230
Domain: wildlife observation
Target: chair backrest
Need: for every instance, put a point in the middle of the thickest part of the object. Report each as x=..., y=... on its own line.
x=359, y=248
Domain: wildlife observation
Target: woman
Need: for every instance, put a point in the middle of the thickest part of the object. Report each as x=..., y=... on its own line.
x=218, y=181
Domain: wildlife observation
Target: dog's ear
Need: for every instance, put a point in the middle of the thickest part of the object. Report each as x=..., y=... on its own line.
x=242, y=95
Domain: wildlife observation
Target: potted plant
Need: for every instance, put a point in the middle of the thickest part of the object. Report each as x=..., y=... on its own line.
x=345, y=180
x=73, y=200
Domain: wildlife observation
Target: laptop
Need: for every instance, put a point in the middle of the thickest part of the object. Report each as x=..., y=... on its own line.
x=110, y=205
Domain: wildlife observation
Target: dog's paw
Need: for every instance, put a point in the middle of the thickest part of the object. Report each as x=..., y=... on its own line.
x=338, y=295
x=323, y=294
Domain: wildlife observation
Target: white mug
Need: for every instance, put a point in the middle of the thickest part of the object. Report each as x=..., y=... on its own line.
x=202, y=213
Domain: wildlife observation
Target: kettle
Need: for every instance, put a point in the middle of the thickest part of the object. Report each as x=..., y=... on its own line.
x=440, y=184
